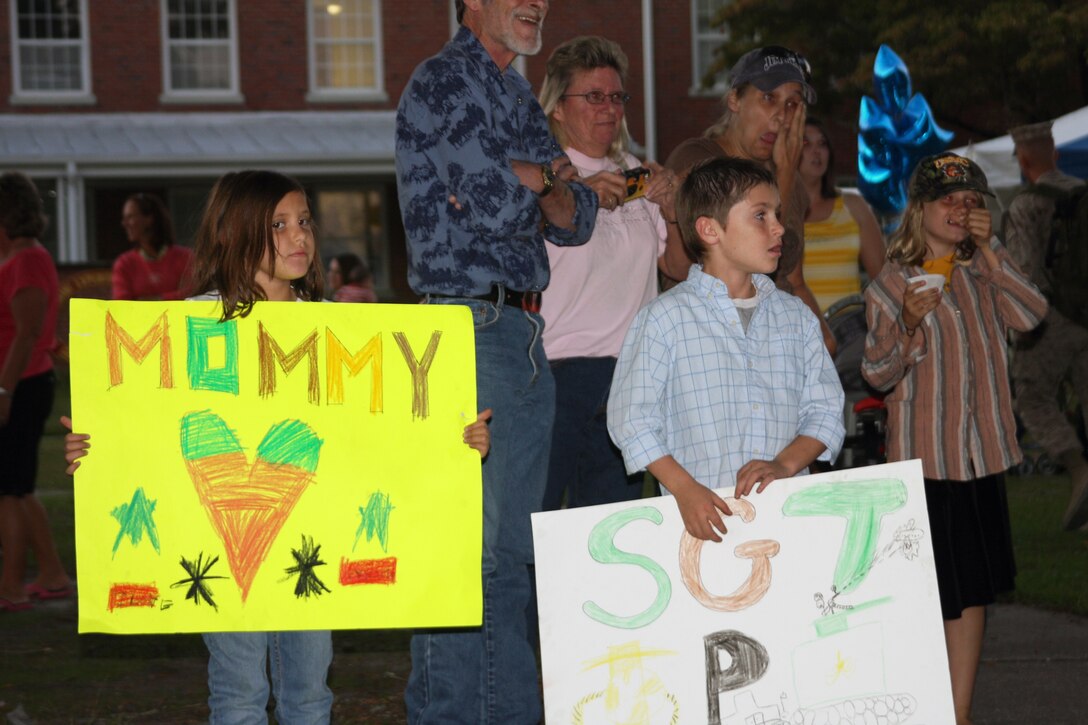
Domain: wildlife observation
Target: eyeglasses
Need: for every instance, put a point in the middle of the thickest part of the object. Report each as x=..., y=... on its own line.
x=596, y=98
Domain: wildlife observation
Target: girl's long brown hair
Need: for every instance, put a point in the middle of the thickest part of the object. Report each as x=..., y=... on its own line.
x=235, y=237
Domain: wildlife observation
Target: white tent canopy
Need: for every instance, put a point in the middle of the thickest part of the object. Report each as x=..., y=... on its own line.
x=995, y=156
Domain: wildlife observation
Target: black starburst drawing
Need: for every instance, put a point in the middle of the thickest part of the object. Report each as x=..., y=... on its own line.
x=305, y=561
x=197, y=579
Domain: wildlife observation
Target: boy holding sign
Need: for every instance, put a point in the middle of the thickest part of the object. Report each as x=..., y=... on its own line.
x=725, y=380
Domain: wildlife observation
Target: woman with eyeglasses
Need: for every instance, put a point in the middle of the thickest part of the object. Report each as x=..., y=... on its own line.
x=156, y=268
x=764, y=119
x=597, y=288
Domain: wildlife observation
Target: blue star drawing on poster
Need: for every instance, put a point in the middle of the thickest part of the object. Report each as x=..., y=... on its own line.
x=895, y=130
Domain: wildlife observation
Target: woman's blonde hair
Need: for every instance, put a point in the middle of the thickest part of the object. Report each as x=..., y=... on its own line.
x=907, y=245
x=584, y=53
x=725, y=120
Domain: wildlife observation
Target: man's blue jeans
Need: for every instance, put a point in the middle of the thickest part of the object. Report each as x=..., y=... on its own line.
x=489, y=675
x=584, y=461
x=298, y=663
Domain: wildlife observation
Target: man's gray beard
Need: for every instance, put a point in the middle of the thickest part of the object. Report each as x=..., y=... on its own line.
x=516, y=45
x=537, y=45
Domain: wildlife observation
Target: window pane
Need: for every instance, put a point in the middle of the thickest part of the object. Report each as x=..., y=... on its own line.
x=196, y=67
x=200, y=45
x=707, y=38
x=345, y=44
x=49, y=45
x=57, y=19
x=190, y=20
x=706, y=12
x=50, y=68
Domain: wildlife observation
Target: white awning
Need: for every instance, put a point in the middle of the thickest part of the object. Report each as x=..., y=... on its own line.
x=182, y=144
x=995, y=155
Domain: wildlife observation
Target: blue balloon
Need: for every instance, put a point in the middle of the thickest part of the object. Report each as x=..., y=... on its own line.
x=896, y=130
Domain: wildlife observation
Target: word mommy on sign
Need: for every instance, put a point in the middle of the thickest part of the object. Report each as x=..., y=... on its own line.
x=213, y=363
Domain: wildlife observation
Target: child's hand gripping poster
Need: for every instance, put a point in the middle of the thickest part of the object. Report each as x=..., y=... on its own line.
x=299, y=468
x=819, y=605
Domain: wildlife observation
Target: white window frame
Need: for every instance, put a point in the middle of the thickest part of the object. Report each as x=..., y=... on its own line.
x=30, y=96
x=319, y=94
x=697, y=72
x=231, y=94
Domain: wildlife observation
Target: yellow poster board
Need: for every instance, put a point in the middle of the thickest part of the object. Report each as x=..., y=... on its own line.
x=299, y=468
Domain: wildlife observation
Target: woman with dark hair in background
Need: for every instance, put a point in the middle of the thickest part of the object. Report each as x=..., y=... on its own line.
x=350, y=279
x=842, y=235
x=156, y=269
x=28, y=316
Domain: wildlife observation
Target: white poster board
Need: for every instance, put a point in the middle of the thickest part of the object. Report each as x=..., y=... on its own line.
x=819, y=606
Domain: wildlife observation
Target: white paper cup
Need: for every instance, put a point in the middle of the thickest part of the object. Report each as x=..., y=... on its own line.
x=932, y=281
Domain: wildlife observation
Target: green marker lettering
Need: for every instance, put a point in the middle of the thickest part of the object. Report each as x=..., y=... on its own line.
x=862, y=504
x=603, y=549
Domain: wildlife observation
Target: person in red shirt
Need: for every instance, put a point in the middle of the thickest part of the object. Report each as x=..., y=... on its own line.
x=28, y=316
x=156, y=269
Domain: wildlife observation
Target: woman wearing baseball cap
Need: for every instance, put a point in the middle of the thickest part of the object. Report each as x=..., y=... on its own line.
x=941, y=352
x=764, y=121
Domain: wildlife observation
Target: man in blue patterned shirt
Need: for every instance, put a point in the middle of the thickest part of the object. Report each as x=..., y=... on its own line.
x=481, y=183
x=725, y=379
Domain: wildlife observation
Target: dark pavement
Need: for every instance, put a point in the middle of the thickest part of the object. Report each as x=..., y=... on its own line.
x=1034, y=668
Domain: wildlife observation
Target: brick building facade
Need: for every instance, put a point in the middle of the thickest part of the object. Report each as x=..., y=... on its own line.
x=103, y=98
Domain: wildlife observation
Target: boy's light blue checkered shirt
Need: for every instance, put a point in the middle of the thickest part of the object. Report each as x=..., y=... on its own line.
x=692, y=383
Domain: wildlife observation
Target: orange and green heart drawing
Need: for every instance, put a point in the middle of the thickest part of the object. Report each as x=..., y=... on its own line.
x=248, y=503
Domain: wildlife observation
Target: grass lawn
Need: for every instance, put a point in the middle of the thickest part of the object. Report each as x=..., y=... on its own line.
x=1052, y=564
x=58, y=676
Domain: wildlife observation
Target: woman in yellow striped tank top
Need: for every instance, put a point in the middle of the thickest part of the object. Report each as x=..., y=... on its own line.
x=840, y=229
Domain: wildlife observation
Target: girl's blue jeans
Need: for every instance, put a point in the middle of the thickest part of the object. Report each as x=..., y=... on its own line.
x=240, y=665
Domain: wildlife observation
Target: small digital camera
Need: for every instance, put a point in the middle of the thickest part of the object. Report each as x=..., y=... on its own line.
x=636, y=182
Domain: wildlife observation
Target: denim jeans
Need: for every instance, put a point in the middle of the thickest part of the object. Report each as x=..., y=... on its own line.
x=488, y=675
x=298, y=663
x=584, y=461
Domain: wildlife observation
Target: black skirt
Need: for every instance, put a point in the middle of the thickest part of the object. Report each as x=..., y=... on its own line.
x=972, y=541
x=31, y=402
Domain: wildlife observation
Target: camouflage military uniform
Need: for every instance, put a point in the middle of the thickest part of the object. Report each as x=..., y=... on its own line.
x=1058, y=347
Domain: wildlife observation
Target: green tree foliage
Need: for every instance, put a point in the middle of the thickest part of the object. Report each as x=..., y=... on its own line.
x=983, y=66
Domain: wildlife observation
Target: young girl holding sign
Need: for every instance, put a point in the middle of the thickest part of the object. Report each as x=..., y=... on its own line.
x=941, y=351
x=256, y=242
